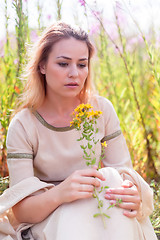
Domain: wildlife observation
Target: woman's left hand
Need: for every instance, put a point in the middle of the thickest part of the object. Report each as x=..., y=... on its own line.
x=128, y=196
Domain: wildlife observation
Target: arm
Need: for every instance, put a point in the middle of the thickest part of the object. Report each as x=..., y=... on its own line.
x=117, y=155
x=79, y=185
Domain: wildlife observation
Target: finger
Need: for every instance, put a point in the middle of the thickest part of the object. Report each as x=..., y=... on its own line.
x=82, y=195
x=95, y=167
x=92, y=173
x=122, y=191
x=130, y=214
x=124, y=205
x=127, y=184
x=124, y=198
x=90, y=181
x=86, y=188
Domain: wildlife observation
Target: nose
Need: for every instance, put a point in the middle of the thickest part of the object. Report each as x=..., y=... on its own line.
x=73, y=71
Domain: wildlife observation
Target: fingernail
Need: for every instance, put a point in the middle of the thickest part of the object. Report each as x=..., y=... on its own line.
x=108, y=196
x=125, y=213
x=108, y=191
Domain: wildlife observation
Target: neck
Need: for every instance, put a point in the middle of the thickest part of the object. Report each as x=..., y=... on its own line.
x=60, y=106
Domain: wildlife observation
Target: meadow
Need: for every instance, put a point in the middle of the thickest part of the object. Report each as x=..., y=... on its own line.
x=126, y=70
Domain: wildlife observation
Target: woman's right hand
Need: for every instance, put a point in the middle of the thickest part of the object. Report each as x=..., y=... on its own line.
x=79, y=185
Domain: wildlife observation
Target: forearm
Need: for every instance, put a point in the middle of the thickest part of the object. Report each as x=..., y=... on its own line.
x=79, y=185
x=36, y=208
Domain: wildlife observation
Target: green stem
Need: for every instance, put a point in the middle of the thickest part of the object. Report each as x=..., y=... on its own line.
x=100, y=208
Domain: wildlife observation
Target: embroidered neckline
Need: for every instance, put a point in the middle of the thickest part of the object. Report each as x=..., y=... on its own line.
x=51, y=127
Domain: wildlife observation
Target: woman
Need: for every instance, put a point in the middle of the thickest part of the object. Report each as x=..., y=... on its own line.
x=51, y=188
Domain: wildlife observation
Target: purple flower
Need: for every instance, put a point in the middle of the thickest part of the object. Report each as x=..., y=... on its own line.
x=94, y=29
x=2, y=55
x=120, y=14
x=15, y=61
x=131, y=44
x=96, y=13
x=111, y=29
x=34, y=36
x=49, y=17
x=1, y=44
x=82, y=2
x=157, y=42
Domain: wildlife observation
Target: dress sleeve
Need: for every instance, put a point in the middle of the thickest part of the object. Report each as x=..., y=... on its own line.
x=19, y=153
x=116, y=152
x=145, y=192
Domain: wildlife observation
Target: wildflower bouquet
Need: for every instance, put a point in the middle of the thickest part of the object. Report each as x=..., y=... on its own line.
x=85, y=121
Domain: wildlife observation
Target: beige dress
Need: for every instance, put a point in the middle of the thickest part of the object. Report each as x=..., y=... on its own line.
x=41, y=156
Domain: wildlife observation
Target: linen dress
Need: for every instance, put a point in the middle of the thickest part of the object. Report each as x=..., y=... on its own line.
x=40, y=156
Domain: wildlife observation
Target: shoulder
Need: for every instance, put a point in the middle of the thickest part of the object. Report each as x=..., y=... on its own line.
x=23, y=121
x=22, y=130
x=101, y=103
x=22, y=117
x=108, y=112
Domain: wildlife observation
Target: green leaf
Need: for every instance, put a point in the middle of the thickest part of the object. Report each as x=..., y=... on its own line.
x=87, y=155
x=83, y=147
x=100, y=204
x=90, y=134
x=95, y=142
x=97, y=215
x=89, y=146
x=80, y=139
x=93, y=161
x=88, y=163
x=111, y=206
x=88, y=138
x=106, y=215
x=101, y=189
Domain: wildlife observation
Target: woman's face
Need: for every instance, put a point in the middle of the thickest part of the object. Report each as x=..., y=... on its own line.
x=66, y=68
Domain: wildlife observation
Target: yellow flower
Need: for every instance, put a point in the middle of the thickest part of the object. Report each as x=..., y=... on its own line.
x=71, y=123
x=79, y=108
x=98, y=113
x=88, y=106
x=90, y=114
x=83, y=112
x=104, y=144
x=82, y=107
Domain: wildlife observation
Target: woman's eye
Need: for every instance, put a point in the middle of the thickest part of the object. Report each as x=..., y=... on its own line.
x=82, y=65
x=63, y=64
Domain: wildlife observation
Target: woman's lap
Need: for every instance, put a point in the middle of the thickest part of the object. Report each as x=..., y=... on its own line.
x=75, y=220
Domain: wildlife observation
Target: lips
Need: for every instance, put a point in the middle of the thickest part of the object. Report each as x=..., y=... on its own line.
x=72, y=84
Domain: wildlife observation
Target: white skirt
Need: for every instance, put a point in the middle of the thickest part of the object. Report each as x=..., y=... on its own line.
x=75, y=221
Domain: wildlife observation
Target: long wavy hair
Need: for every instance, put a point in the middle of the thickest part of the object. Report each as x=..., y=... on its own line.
x=35, y=88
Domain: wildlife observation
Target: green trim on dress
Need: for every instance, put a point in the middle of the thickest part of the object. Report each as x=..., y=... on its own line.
x=111, y=136
x=20, y=155
x=49, y=126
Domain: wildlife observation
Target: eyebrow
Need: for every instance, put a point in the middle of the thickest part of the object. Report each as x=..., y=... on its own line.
x=82, y=59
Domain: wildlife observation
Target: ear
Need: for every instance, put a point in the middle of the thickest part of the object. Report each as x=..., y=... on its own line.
x=42, y=68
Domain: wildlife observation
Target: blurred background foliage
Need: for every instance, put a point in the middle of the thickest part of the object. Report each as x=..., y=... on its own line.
x=126, y=70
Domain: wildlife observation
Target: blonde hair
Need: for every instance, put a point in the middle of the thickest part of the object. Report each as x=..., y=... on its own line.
x=35, y=87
